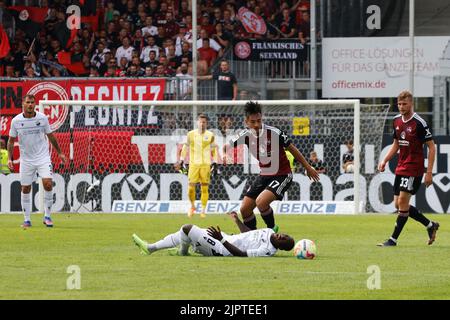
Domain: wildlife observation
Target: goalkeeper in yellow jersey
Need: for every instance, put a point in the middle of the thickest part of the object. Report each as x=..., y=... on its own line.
x=202, y=147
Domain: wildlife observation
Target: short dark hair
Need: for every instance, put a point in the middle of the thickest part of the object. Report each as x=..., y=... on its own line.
x=30, y=96
x=252, y=108
x=203, y=116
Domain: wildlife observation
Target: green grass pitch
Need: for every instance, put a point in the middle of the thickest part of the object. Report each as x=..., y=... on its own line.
x=34, y=262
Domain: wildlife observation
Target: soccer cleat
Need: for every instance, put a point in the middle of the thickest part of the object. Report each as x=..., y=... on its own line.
x=202, y=215
x=191, y=212
x=432, y=232
x=276, y=228
x=387, y=243
x=141, y=244
x=48, y=222
x=26, y=224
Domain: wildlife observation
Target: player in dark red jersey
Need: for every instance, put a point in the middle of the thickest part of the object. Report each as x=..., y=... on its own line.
x=411, y=132
x=267, y=144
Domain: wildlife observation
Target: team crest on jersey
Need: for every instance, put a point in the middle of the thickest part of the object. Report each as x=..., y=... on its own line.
x=403, y=135
x=397, y=128
x=262, y=150
x=409, y=129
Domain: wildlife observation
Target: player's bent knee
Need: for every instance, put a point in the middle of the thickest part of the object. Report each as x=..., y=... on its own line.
x=262, y=204
x=186, y=228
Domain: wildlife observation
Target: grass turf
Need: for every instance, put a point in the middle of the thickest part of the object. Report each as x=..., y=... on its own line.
x=34, y=262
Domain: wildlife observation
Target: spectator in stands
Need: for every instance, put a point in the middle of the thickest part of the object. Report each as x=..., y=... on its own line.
x=10, y=72
x=167, y=70
x=212, y=43
x=148, y=71
x=304, y=36
x=286, y=24
x=134, y=71
x=170, y=53
x=109, y=12
x=93, y=72
x=138, y=40
x=222, y=37
x=104, y=66
x=228, y=21
x=348, y=158
x=184, y=82
x=316, y=163
x=98, y=57
x=185, y=53
x=204, y=23
x=217, y=16
x=298, y=8
x=206, y=57
x=125, y=50
x=29, y=72
x=184, y=10
x=149, y=28
x=170, y=27
x=152, y=61
x=304, y=28
x=226, y=82
x=151, y=46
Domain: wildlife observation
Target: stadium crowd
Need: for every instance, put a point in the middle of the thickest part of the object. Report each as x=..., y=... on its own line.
x=137, y=38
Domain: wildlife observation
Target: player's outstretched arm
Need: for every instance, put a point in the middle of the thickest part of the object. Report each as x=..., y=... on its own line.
x=215, y=233
x=431, y=157
x=10, y=148
x=310, y=171
x=391, y=153
x=55, y=144
x=234, y=216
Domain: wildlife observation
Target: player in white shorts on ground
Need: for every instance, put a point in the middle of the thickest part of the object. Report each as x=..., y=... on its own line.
x=33, y=131
x=213, y=242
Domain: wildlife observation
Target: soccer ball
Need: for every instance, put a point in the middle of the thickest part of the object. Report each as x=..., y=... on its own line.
x=305, y=249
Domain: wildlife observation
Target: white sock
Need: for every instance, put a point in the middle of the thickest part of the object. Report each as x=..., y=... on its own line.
x=170, y=241
x=185, y=243
x=48, y=202
x=26, y=205
x=430, y=225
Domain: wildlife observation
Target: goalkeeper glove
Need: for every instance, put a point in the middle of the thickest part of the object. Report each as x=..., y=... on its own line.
x=183, y=168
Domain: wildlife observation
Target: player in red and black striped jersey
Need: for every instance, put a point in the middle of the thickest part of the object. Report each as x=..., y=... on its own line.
x=267, y=144
x=411, y=132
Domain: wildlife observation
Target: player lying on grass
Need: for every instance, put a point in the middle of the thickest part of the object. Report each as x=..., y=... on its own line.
x=213, y=242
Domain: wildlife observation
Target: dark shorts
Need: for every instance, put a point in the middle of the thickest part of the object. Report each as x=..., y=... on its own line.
x=278, y=185
x=407, y=184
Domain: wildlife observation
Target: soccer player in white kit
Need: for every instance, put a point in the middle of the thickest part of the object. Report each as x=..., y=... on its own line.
x=33, y=131
x=213, y=242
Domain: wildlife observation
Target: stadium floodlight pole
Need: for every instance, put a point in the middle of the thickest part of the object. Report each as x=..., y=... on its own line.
x=356, y=158
x=194, y=59
x=313, y=48
x=412, y=44
x=40, y=205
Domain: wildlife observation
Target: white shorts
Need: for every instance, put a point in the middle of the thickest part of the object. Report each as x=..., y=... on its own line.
x=28, y=172
x=206, y=245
